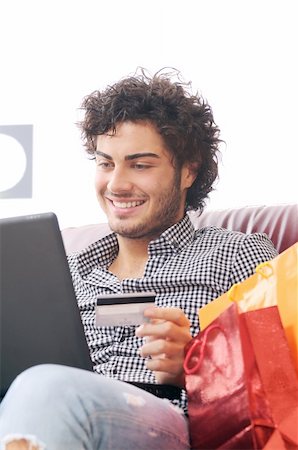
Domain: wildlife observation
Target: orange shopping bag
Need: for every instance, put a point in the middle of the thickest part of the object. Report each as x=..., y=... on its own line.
x=274, y=283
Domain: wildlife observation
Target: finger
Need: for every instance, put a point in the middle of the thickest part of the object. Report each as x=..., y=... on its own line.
x=169, y=366
x=165, y=330
x=161, y=347
x=175, y=315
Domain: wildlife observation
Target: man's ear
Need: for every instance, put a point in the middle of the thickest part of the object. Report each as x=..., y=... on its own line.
x=189, y=174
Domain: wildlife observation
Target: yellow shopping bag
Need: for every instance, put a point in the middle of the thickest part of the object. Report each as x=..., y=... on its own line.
x=274, y=283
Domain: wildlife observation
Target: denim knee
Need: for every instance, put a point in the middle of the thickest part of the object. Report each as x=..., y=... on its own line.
x=41, y=375
x=41, y=383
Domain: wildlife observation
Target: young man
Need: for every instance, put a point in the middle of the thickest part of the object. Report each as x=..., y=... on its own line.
x=155, y=146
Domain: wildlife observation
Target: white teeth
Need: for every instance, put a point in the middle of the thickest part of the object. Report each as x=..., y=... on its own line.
x=127, y=204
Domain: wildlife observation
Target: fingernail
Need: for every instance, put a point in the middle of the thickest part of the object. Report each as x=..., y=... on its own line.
x=139, y=330
x=149, y=312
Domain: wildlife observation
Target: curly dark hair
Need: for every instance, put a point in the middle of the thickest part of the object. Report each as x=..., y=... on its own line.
x=184, y=120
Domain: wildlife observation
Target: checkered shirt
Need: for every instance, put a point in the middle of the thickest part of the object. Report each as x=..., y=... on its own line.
x=185, y=268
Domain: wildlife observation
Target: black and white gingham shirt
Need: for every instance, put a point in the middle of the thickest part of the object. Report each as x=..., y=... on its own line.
x=186, y=269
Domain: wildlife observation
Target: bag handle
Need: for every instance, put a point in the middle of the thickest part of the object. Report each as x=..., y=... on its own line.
x=260, y=270
x=265, y=273
x=194, y=344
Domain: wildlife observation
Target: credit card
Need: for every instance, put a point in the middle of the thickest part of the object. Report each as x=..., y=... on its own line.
x=123, y=309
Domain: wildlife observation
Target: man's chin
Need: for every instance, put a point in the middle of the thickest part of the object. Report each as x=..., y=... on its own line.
x=129, y=233
x=140, y=231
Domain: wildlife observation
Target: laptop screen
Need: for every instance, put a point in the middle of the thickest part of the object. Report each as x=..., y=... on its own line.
x=39, y=317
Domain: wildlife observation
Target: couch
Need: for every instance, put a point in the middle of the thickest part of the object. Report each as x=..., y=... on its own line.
x=279, y=222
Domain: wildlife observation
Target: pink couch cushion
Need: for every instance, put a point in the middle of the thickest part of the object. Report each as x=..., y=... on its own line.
x=77, y=238
x=279, y=222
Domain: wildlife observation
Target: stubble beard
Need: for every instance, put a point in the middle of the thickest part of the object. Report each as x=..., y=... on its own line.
x=164, y=216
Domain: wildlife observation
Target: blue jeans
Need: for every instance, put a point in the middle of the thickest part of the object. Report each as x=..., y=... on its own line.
x=73, y=409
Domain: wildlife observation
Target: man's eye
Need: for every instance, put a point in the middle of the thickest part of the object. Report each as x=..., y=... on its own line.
x=140, y=166
x=104, y=164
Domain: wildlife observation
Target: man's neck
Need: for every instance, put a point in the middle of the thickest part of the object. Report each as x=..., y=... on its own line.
x=131, y=259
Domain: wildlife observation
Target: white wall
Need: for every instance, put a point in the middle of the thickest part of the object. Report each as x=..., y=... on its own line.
x=241, y=55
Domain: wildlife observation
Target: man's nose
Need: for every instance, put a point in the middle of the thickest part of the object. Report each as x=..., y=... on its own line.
x=119, y=181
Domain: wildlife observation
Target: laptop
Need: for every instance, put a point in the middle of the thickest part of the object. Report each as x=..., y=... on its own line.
x=40, y=321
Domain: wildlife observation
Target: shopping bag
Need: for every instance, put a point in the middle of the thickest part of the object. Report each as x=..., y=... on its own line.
x=241, y=384
x=287, y=431
x=274, y=283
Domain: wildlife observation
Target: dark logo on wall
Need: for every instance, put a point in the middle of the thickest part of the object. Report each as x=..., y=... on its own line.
x=16, y=161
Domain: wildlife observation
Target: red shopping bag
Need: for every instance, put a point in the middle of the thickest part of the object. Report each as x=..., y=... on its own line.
x=241, y=383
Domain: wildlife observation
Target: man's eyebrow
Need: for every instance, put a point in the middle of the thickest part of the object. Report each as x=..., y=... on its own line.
x=104, y=155
x=128, y=157
x=141, y=155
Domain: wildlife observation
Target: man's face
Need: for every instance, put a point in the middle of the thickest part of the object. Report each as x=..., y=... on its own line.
x=136, y=184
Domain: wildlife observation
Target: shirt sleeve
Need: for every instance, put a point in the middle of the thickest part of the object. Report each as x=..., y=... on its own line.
x=254, y=249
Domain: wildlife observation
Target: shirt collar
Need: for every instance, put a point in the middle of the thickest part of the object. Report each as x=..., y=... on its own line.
x=99, y=254
x=174, y=238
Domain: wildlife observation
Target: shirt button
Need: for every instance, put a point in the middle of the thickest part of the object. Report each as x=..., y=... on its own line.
x=114, y=371
x=122, y=339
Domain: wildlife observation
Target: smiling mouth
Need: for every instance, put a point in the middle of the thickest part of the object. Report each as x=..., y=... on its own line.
x=125, y=205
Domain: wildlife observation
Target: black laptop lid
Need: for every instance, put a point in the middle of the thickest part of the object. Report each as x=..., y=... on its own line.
x=39, y=317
